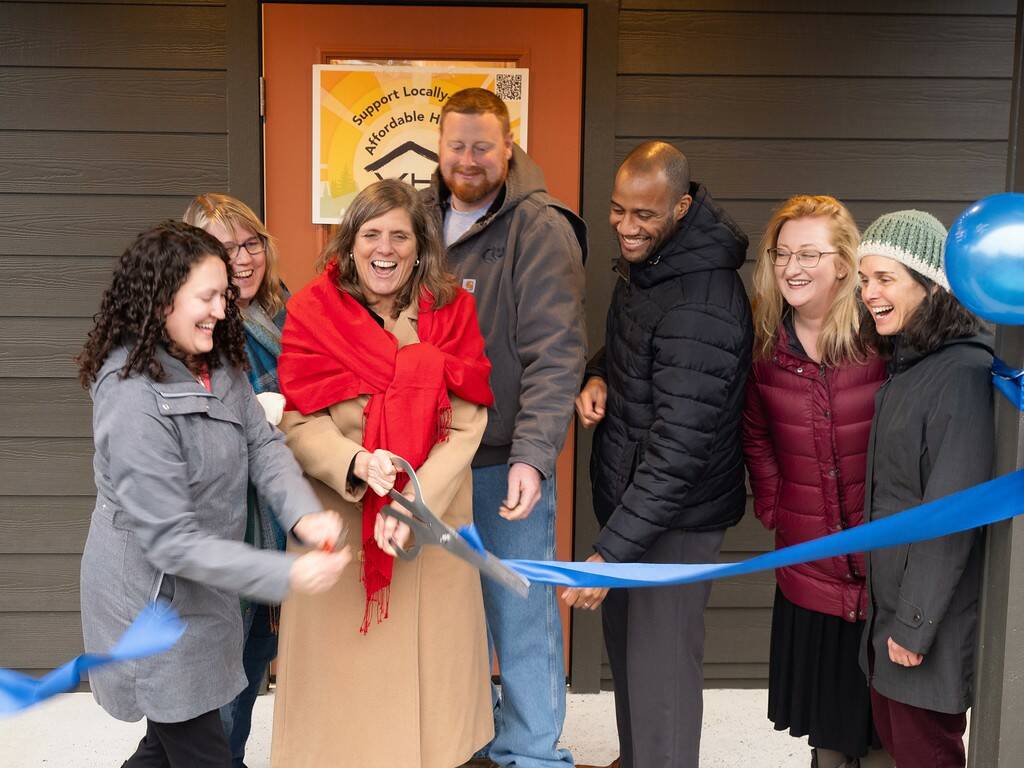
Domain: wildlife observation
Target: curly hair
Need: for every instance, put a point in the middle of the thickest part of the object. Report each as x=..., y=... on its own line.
x=377, y=199
x=937, y=319
x=146, y=279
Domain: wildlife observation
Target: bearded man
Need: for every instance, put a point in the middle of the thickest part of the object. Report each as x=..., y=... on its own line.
x=520, y=253
x=666, y=394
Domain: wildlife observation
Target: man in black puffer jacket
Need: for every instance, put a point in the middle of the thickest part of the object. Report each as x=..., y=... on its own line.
x=667, y=466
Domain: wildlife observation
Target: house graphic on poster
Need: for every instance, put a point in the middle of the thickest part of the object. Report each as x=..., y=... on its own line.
x=409, y=162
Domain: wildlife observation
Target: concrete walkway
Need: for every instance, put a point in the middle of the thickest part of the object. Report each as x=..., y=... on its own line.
x=73, y=732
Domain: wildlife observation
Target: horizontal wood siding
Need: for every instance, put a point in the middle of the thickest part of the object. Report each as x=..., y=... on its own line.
x=886, y=105
x=112, y=116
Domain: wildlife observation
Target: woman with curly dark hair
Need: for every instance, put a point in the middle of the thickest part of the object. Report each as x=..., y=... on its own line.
x=932, y=435
x=261, y=298
x=178, y=432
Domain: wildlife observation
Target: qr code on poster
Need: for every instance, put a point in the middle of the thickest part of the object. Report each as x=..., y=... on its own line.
x=509, y=87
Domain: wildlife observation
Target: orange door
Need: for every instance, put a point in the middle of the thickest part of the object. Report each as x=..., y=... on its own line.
x=547, y=41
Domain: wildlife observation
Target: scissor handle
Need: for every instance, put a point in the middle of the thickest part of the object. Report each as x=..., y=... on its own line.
x=406, y=467
x=406, y=554
x=417, y=528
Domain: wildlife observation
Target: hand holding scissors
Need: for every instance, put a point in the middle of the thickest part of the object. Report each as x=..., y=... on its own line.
x=432, y=531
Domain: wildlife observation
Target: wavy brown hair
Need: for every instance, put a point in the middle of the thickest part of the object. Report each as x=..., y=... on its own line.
x=231, y=213
x=374, y=201
x=146, y=279
x=939, y=318
x=839, y=342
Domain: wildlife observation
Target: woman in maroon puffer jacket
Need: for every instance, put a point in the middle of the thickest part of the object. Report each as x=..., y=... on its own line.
x=810, y=400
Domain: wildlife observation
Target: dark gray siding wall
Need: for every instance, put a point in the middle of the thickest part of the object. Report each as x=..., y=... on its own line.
x=885, y=105
x=111, y=117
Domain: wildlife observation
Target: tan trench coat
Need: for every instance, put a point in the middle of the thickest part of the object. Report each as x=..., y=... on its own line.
x=414, y=692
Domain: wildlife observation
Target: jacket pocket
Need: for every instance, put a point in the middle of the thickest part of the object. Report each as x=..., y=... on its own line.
x=493, y=254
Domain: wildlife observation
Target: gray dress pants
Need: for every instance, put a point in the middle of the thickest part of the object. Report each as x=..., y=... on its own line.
x=655, y=642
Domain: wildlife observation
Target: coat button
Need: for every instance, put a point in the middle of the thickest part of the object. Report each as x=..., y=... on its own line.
x=800, y=369
x=833, y=472
x=852, y=615
x=917, y=617
x=828, y=414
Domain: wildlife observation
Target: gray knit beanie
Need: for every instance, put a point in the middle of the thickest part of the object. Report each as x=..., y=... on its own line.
x=914, y=238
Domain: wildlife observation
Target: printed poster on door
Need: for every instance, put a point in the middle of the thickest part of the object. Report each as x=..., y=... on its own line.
x=373, y=122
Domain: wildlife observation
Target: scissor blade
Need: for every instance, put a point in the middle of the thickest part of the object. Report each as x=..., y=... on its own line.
x=402, y=501
x=487, y=564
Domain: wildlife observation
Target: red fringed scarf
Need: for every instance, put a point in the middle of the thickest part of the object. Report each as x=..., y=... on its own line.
x=333, y=350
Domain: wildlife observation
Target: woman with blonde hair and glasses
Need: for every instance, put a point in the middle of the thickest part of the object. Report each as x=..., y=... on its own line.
x=261, y=299
x=810, y=400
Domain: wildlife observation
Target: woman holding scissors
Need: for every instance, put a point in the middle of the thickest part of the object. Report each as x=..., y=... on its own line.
x=178, y=433
x=261, y=299
x=382, y=353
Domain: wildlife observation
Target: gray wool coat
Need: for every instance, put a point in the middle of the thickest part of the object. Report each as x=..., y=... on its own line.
x=171, y=465
x=932, y=435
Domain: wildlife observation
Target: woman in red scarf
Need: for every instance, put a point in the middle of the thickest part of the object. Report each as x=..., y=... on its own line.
x=382, y=354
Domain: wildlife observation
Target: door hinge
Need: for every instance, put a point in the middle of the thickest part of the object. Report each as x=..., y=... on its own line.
x=263, y=97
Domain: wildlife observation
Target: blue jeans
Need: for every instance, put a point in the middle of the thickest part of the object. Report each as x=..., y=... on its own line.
x=526, y=634
x=260, y=649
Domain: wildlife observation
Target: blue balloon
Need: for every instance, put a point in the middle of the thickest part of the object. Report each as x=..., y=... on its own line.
x=985, y=258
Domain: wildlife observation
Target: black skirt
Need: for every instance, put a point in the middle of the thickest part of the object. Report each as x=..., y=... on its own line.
x=815, y=685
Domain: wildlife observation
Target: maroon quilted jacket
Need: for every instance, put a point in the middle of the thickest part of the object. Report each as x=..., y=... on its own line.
x=805, y=437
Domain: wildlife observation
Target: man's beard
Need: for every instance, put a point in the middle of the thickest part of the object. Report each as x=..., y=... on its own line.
x=657, y=242
x=476, y=190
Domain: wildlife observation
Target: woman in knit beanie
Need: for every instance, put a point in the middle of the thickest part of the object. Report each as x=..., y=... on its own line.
x=932, y=435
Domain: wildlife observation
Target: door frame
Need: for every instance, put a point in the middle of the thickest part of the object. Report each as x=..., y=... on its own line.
x=601, y=19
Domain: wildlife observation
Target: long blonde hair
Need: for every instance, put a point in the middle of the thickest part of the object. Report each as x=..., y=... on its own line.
x=838, y=342
x=232, y=213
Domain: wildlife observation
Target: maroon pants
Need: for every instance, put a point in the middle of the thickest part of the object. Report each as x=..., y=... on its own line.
x=919, y=738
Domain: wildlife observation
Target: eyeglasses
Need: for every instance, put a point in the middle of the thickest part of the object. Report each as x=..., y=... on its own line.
x=254, y=245
x=806, y=259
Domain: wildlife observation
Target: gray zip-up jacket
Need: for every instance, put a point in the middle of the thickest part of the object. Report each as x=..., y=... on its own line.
x=171, y=466
x=523, y=263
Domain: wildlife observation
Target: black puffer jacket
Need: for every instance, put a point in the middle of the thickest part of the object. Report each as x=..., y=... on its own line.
x=668, y=453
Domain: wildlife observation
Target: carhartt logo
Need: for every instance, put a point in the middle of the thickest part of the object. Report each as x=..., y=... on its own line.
x=469, y=285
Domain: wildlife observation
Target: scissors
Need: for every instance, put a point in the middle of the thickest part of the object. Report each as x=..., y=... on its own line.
x=432, y=531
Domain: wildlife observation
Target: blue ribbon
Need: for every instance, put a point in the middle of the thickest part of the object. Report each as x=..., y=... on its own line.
x=1009, y=381
x=991, y=502
x=157, y=628
x=154, y=630
x=999, y=499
